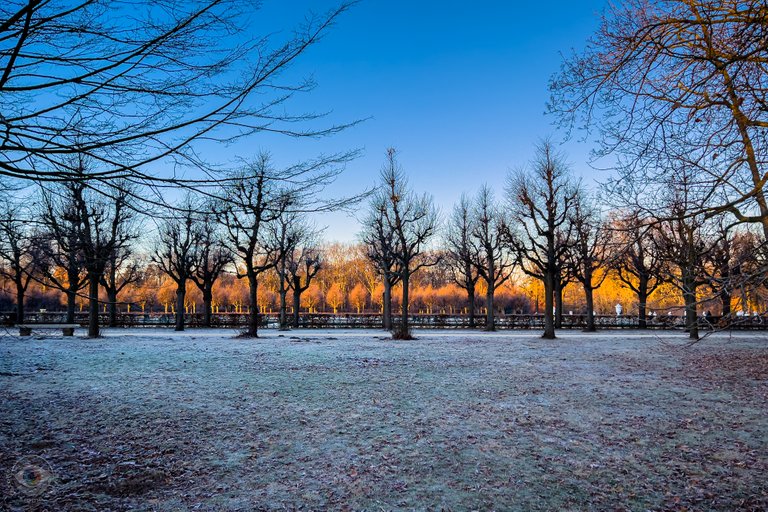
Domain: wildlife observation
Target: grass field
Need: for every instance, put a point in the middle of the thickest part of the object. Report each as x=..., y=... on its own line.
x=351, y=420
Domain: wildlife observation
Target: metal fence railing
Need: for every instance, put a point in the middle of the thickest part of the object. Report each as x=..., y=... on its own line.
x=417, y=321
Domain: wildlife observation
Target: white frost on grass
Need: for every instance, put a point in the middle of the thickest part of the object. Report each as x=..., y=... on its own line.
x=333, y=419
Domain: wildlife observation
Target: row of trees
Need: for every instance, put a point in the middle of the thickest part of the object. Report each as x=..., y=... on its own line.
x=551, y=229
x=80, y=238
x=548, y=230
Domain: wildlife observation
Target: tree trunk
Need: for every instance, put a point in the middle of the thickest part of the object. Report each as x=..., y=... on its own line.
x=112, y=307
x=387, y=306
x=296, y=304
x=725, y=300
x=589, y=299
x=471, y=300
x=207, y=306
x=558, y=289
x=19, y=302
x=642, y=303
x=549, y=320
x=689, y=298
x=253, y=311
x=404, y=332
x=71, y=305
x=489, y=322
x=93, y=305
x=283, y=310
x=181, y=292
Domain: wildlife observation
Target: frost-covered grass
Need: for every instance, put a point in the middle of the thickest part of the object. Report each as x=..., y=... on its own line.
x=351, y=420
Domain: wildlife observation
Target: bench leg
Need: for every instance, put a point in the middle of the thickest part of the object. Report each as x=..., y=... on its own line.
x=68, y=331
x=25, y=331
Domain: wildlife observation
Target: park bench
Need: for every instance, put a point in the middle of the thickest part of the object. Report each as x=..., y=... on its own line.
x=66, y=329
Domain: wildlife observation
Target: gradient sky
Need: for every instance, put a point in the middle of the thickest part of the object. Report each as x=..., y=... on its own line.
x=459, y=88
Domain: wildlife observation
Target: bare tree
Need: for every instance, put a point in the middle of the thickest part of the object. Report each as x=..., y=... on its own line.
x=540, y=199
x=378, y=239
x=589, y=252
x=254, y=201
x=288, y=232
x=685, y=239
x=302, y=265
x=461, y=253
x=131, y=84
x=210, y=258
x=258, y=195
x=409, y=220
x=123, y=269
x=733, y=263
x=60, y=245
x=102, y=217
x=683, y=80
x=18, y=253
x=493, y=261
x=636, y=258
x=177, y=239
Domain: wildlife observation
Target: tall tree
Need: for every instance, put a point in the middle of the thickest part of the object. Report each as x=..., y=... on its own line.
x=540, y=199
x=588, y=256
x=18, y=253
x=733, y=263
x=411, y=220
x=378, y=238
x=178, y=238
x=302, y=265
x=287, y=233
x=684, y=79
x=253, y=201
x=102, y=217
x=210, y=258
x=461, y=252
x=258, y=195
x=685, y=239
x=636, y=258
x=63, y=265
x=493, y=261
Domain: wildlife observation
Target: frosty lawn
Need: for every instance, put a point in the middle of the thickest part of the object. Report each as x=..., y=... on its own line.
x=153, y=420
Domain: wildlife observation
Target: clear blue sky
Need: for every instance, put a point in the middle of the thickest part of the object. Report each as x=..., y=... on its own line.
x=459, y=88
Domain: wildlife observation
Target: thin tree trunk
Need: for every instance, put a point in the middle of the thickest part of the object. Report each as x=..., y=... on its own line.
x=558, y=288
x=181, y=292
x=112, y=307
x=404, y=332
x=93, y=305
x=283, y=309
x=387, y=304
x=471, y=300
x=489, y=322
x=71, y=305
x=642, y=302
x=207, y=306
x=253, y=311
x=296, y=304
x=549, y=320
x=589, y=299
x=19, y=302
x=689, y=298
x=725, y=300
